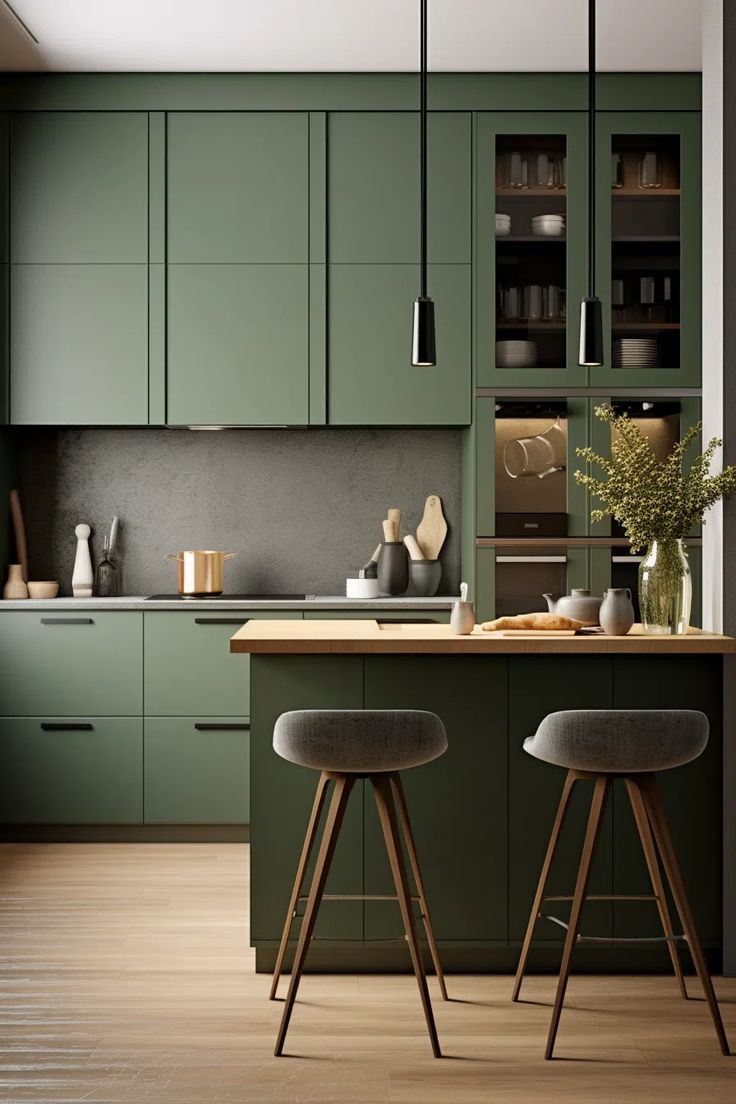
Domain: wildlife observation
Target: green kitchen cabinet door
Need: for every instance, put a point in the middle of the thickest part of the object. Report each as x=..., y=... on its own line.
x=461, y=842
x=196, y=770
x=238, y=344
x=79, y=344
x=529, y=164
x=189, y=669
x=59, y=770
x=648, y=248
x=237, y=187
x=373, y=192
x=539, y=685
x=281, y=795
x=71, y=664
x=79, y=188
x=691, y=796
x=370, y=379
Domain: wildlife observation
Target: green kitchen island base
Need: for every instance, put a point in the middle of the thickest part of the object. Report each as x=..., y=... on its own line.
x=482, y=813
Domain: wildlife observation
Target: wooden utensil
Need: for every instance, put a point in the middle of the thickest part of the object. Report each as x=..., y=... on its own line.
x=415, y=552
x=432, y=529
x=394, y=516
x=16, y=512
x=389, y=532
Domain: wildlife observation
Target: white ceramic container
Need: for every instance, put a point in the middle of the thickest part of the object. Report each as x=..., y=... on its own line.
x=361, y=588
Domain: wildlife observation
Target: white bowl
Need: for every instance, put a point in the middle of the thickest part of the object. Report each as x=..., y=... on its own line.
x=548, y=229
x=361, y=588
x=43, y=589
x=503, y=225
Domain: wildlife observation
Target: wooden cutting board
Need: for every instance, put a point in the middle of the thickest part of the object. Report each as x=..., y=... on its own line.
x=432, y=529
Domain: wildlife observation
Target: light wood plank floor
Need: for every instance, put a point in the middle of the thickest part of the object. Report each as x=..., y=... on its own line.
x=126, y=976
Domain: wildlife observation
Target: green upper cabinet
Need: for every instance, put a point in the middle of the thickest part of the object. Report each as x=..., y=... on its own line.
x=238, y=275
x=79, y=275
x=237, y=187
x=373, y=268
x=648, y=270
x=79, y=187
x=373, y=188
x=530, y=266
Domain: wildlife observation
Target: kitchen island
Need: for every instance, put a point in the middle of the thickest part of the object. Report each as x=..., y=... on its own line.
x=482, y=813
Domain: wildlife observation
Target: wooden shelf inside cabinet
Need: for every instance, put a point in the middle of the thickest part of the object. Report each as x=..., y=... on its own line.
x=555, y=327
x=645, y=239
x=538, y=239
x=562, y=542
x=629, y=327
x=643, y=193
x=534, y=192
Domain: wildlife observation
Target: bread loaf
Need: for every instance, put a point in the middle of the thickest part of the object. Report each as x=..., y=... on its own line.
x=537, y=621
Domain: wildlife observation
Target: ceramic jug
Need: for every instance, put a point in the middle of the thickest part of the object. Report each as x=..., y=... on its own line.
x=579, y=603
x=617, y=611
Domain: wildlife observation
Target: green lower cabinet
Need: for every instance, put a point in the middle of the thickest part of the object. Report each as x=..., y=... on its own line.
x=54, y=770
x=188, y=666
x=71, y=664
x=462, y=842
x=539, y=685
x=79, y=344
x=371, y=380
x=282, y=794
x=691, y=795
x=196, y=770
x=237, y=344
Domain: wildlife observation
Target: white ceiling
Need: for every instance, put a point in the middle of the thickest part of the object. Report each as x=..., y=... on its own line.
x=344, y=35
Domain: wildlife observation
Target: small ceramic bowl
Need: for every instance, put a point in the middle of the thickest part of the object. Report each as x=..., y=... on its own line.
x=46, y=589
x=425, y=577
x=361, y=588
x=503, y=226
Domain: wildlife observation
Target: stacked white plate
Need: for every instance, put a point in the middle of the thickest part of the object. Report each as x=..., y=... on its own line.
x=548, y=226
x=634, y=352
x=516, y=354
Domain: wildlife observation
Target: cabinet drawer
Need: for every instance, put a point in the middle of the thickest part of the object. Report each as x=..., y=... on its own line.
x=71, y=664
x=188, y=667
x=409, y=617
x=196, y=770
x=58, y=770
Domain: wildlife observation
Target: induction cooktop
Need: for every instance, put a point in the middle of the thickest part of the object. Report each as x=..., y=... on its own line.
x=228, y=598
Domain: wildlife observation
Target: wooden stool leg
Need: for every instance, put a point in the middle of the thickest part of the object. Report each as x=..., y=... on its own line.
x=411, y=848
x=655, y=875
x=311, y=835
x=389, y=823
x=658, y=820
x=597, y=807
x=343, y=786
x=546, y=867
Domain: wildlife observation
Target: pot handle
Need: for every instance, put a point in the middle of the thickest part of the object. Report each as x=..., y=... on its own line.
x=629, y=594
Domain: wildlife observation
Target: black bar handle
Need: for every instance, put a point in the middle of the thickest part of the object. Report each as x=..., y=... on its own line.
x=67, y=621
x=202, y=726
x=221, y=620
x=66, y=726
x=405, y=621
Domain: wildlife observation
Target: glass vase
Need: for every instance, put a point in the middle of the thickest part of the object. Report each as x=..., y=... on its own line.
x=665, y=588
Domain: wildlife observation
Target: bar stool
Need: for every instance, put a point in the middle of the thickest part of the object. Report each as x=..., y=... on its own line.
x=346, y=745
x=600, y=745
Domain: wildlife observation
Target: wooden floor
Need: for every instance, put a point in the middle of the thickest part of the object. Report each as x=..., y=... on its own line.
x=127, y=976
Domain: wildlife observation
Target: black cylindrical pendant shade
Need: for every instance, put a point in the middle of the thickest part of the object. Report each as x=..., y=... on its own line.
x=423, y=349
x=591, y=333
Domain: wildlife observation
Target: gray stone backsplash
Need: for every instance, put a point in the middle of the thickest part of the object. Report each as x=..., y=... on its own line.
x=300, y=508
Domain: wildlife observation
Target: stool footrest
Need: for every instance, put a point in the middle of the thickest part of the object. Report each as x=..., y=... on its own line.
x=606, y=897
x=614, y=938
x=356, y=897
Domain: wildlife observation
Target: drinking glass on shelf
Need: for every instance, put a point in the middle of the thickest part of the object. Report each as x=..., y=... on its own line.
x=518, y=171
x=650, y=170
x=646, y=295
x=543, y=171
x=551, y=304
x=617, y=301
x=532, y=309
x=617, y=171
x=540, y=455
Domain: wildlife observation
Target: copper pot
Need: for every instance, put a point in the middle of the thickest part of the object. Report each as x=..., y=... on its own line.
x=200, y=573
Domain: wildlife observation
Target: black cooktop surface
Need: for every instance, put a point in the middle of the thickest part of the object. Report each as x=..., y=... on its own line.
x=227, y=598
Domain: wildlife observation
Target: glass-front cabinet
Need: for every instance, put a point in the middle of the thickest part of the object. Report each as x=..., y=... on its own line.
x=530, y=247
x=648, y=248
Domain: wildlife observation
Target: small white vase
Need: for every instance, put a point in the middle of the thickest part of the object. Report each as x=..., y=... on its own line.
x=15, y=586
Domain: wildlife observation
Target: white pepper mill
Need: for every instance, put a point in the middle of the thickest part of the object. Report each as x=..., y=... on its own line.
x=82, y=576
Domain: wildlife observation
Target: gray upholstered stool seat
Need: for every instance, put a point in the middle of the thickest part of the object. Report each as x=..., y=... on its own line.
x=619, y=741
x=365, y=741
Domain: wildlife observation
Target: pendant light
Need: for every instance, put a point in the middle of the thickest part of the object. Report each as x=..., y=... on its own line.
x=423, y=352
x=591, y=312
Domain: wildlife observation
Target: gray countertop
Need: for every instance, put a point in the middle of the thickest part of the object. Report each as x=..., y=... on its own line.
x=316, y=602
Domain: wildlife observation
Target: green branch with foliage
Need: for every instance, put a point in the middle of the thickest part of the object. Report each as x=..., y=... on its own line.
x=653, y=499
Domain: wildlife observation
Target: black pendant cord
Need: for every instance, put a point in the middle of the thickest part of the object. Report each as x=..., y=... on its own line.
x=423, y=147
x=591, y=148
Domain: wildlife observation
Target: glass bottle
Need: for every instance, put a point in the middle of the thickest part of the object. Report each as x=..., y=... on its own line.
x=665, y=588
x=107, y=576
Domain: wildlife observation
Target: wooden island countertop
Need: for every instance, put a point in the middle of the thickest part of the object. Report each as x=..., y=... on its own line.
x=367, y=636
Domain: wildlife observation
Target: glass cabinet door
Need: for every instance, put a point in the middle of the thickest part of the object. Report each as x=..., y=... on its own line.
x=648, y=242
x=530, y=248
